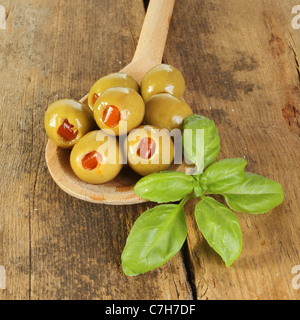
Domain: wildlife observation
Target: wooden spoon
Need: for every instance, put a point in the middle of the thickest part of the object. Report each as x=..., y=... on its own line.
x=148, y=54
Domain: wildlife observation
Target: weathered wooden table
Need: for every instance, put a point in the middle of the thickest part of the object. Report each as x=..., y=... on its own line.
x=240, y=61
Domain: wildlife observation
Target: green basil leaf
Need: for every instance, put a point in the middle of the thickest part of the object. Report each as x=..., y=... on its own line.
x=167, y=186
x=156, y=236
x=205, y=153
x=256, y=194
x=221, y=229
x=223, y=175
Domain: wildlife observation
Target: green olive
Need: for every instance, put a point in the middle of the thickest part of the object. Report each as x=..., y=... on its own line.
x=166, y=111
x=66, y=121
x=96, y=158
x=117, y=79
x=149, y=149
x=119, y=110
x=163, y=78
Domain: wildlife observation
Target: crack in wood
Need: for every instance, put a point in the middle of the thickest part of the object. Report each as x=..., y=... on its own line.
x=204, y=292
x=190, y=276
x=176, y=289
x=297, y=63
x=146, y=2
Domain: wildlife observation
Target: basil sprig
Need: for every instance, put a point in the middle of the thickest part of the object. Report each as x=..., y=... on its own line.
x=159, y=233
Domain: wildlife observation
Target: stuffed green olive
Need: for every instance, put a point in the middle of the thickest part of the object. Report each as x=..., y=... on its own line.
x=149, y=149
x=117, y=79
x=96, y=158
x=163, y=78
x=166, y=111
x=66, y=121
x=119, y=110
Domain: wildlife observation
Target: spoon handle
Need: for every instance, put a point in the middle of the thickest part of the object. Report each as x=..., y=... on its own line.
x=154, y=32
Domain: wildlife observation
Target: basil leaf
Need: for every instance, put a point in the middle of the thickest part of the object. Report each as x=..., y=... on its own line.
x=167, y=186
x=220, y=227
x=156, y=236
x=256, y=194
x=223, y=175
x=201, y=155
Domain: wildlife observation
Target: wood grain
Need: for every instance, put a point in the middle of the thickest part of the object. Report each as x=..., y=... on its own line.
x=240, y=61
x=57, y=247
x=242, y=71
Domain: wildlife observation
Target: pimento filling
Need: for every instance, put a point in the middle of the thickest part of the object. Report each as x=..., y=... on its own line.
x=146, y=148
x=67, y=131
x=92, y=160
x=94, y=98
x=111, y=116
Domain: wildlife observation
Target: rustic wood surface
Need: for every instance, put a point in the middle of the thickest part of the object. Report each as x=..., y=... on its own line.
x=240, y=61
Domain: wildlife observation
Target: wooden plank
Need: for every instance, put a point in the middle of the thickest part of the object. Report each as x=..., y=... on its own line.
x=241, y=62
x=15, y=174
x=54, y=246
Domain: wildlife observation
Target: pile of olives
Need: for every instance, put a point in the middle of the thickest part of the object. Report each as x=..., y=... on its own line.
x=121, y=110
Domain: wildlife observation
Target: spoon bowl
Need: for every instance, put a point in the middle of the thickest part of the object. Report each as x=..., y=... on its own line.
x=149, y=52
